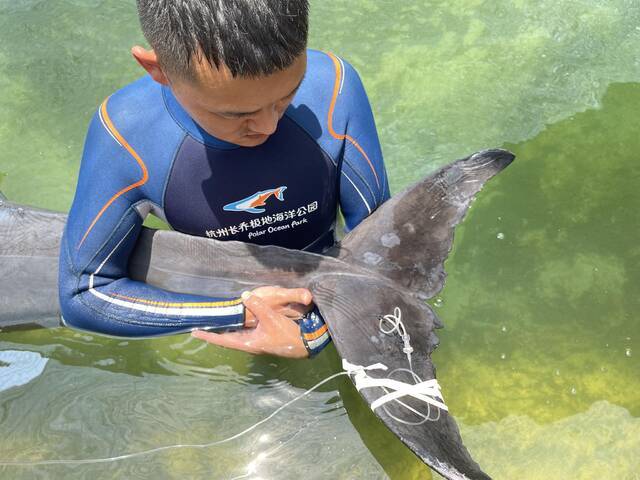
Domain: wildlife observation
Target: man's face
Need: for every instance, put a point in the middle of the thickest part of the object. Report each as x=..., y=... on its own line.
x=243, y=111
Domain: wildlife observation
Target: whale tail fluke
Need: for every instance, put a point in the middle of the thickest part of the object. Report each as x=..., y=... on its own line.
x=279, y=193
x=407, y=241
x=354, y=308
x=409, y=236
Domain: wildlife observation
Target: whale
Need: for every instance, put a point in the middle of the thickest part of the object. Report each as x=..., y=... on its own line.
x=371, y=288
x=252, y=203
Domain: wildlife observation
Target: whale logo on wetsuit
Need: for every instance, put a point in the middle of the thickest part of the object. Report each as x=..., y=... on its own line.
x=252, y=203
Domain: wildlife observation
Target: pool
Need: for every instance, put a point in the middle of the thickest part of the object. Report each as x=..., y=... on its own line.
x=540, y=356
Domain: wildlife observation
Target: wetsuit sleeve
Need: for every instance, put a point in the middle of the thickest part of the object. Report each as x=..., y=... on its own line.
x=103, y=225
x=363, y=178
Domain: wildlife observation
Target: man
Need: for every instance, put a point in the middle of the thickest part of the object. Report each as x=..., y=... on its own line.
x=236, y=133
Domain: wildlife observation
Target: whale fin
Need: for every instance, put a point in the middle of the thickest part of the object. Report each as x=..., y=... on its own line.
x=409, y=237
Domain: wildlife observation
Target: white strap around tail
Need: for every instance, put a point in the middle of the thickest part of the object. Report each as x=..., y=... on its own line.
x=427, y=391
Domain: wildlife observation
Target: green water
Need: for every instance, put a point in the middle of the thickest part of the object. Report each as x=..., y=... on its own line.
x=539, y=360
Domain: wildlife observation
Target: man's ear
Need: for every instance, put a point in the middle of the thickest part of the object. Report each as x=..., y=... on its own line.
x=149, y=61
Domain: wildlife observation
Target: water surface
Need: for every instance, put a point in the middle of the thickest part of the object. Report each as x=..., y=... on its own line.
x=539, y=357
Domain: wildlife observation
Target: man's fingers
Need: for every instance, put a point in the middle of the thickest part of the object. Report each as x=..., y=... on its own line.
x=284, y=295
x=250, y=321
x=296, y=295
x=241, y=340
x=295, y=310
x=258, y=307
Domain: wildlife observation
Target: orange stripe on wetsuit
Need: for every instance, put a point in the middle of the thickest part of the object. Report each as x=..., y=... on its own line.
x=337, y=136
x=318, y=333
x=134, y=154
x=223, y=303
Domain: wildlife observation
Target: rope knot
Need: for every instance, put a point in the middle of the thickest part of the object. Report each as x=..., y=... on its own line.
x=426, y=391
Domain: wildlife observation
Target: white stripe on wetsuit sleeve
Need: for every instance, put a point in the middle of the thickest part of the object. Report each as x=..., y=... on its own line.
x=185, y=311
x=182, y=311
x=359, y=193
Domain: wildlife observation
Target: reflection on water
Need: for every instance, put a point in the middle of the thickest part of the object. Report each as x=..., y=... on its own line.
x=19, y=367
x=80, y=413
x=538, y=360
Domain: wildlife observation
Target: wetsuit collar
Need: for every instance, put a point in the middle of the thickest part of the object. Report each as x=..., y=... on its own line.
x=183, y=119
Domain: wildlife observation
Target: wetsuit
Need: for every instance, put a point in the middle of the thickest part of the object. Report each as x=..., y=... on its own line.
x=143, y=153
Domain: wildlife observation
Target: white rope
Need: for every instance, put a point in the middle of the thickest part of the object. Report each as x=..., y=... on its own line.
x=395, y=321
x=426, y=391
x=127, y=456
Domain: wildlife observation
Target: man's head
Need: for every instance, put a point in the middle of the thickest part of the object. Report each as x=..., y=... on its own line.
x=234, y=65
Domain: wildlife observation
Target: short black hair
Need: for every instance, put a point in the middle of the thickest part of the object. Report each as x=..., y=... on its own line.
x=251, y=37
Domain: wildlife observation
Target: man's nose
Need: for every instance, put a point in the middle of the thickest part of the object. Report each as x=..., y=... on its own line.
x=265, y=121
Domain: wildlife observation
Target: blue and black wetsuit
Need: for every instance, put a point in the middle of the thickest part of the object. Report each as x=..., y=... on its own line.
x=145, y=154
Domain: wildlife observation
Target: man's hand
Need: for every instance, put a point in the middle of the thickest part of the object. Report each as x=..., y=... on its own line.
x=276, y=333
x=293, y=303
